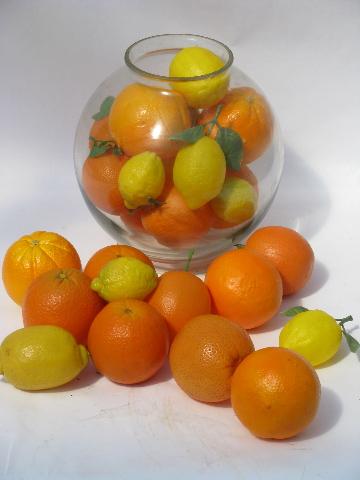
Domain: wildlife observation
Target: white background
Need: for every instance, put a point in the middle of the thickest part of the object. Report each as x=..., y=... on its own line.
x=305, y=56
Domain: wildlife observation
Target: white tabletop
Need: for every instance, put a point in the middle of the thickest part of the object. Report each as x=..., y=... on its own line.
x=305, y=56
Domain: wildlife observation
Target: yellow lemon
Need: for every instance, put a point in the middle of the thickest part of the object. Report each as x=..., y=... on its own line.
x=141, y=179
x=125, y=277
x=199, y=172
x=41, y=357
x=194, y=62
x=313, y=334
x=236, y=202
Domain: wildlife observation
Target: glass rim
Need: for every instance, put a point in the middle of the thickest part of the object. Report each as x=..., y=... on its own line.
x=155, y=76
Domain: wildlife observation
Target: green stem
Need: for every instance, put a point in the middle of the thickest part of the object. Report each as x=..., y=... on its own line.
x=188, y=261
x=353, y=344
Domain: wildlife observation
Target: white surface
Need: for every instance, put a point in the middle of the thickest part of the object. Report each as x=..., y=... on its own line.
x=305, y=55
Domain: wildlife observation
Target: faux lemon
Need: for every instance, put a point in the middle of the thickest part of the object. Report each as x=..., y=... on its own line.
x=41, y=357
x=199, y=172
x=313, y=334
x=125, y=277
x=141, y=179
x=194, y=62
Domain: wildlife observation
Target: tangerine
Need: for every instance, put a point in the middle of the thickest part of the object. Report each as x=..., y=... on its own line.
x=128, y=341
x=245, y=287
x=205, y=354
x=32, y=255
x=275, y=393
x=62, y=297
x=288, y=251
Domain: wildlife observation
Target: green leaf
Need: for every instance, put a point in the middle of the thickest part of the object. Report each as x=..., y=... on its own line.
x=190, y=135
x=104, y=108
x=354, y=345
x=232, y=146
x=294, y=311
x=188, y=261
x=99, y=149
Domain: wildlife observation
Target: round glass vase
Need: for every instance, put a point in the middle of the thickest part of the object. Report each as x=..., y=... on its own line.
x=139, y=108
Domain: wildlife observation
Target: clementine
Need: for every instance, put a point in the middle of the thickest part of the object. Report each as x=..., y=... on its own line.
x=128, y=341
x=62, y=297
x=275, y=393
x=104, y=255
x=173, y=223
x=245, y=287
x=100, y=131
x=32, y=255
x=143, y=118
x=180, y=296
x=247, y=112
x=288, y=251
x=205, y=354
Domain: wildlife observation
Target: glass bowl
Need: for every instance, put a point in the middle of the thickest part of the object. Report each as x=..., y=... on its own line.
x=214, y=152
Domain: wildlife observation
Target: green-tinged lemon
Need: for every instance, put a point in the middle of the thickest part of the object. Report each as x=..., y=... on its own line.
x=125, y=277
x=194, y=62
x=313, y=334
x=199, y=172
x=141, y=179
x=236, y=202
x=41, y=357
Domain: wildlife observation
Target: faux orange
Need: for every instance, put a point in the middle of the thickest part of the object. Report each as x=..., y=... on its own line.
x=275, y=393
x=180, y=296
x=32, y=255
x=143, y=118
x=62, y=297
x=104, y=255
x=247, y=112
x=288, y=251
x=128, y=341
x=205, y=354
x=245, y=287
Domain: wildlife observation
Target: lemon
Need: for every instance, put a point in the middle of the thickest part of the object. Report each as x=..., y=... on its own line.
x=41, y=357
x=313, y=334
x=125, y=277
x=193, y=62
x=236, y=202
x=141, y=179
x=199, y=172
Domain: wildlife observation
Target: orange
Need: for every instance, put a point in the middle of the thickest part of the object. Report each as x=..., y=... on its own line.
x=100, y=131
x=180, y=296
x=245, y=287
x=173, y=223
x=246, y=174
x=128, y=341
x=247, y=112
x=32, y=255
x=100, y=182
x=288, y=251
x=143, y=118
x=62, y=297
x=205, y=354
x=275, y=393
x=104, y=255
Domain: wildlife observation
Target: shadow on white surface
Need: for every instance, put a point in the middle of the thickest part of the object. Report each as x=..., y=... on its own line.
x=302, y=201
x=318, y=279
x=342, y=353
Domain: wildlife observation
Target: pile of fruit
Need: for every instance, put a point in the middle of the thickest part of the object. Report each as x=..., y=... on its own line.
x=129, y=321
x=173, y=163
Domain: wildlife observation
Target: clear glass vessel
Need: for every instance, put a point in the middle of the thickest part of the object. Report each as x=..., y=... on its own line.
x=183, y=194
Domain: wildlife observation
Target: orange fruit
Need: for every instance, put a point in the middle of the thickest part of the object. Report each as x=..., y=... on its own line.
x=104, y=255
x=100, y=131
x=143, y=118
x=275, y=393
x=245, y=287
x=100, y=182
x=32, y=255
x=247, y=112
x=205, y=354
x=173, y=223
x=128, y=341
x=180, y=296
x=62, y=297
x=288, y=251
